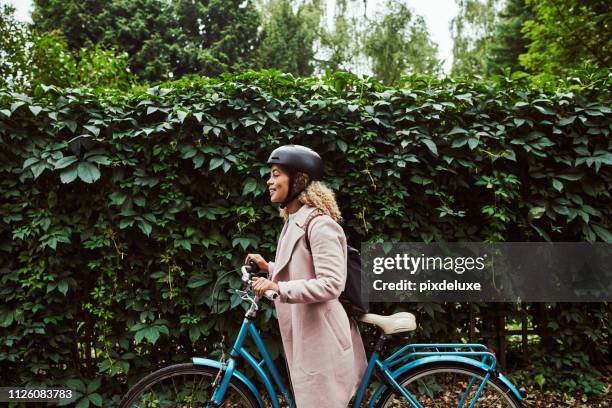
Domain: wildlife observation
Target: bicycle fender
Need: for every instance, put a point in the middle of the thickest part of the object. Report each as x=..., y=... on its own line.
x=436, y=359
x=506, y=381
x=241, y=377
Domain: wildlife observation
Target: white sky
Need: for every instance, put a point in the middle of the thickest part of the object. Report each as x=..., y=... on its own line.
x=437, y=14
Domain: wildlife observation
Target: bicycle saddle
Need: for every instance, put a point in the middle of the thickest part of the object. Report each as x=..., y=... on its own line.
x=396, y=323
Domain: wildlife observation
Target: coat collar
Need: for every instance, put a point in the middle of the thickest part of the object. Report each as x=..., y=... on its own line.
x=289, y=237
x=302, y=214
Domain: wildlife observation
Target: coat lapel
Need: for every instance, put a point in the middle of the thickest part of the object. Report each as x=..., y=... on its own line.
x=292, y=233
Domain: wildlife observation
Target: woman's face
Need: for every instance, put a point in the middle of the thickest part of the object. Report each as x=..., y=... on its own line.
x=278, y=184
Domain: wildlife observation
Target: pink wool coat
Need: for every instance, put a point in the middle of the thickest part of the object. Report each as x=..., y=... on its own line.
x=324, y=350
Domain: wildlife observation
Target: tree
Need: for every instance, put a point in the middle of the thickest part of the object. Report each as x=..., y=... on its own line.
x=473, y=30
x=338, y=46
x=163, y=39
x=13, y=43
x=28, y=59
x=509, y=42
x=567, y=34
x=399, y=44
x=288, y=39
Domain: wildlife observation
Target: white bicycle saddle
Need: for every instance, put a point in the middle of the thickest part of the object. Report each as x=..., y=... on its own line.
x=396, y=323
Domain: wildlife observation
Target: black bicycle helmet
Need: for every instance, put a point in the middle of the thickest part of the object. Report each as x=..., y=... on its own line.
x=297, y=158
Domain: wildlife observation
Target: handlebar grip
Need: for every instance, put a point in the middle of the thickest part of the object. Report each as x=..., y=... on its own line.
x=270, y=294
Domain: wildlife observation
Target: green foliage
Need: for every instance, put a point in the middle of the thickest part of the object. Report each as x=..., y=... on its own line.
x=163, y=39
x=121, y=210
x=399, y=44
x=288, y=40
x=28, y=59
x=566, y=34
x=575, y=331
x=508, y=42
x=473, y=31
x=13, y=41
x=340, y=44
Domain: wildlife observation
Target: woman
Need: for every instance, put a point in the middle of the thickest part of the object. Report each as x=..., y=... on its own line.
x=324, y=350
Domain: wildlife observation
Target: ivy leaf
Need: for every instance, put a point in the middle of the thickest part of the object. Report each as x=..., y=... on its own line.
x=37, y=169
x=558, y=185
x=152, y=334
x=93, y=129
x=544, y=111
x=215, y=162
x=6, y=318
x=96, y=399
x=181, y=115
x=117, y=198
x=63, y=287
x=457, y=131
x=459, y=142
x=188, y=151
x=567, y=121
x=604, y=234
x=65, y=162
x=71, y=125
x=243, y=242
x=510, y=154
x=536, y=212
x=145, y=227
x=542, y=233
x=69, y=174
x=93, y=386
x=431, y=145
x=249, y=186
x=83, y=403
x=100, y=160
x=16, y=105
x=540, y=380
x=88, y=172
x=35, y=109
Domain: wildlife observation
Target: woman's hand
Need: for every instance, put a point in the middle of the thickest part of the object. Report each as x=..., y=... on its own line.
x=259, y=261
x=260, y=285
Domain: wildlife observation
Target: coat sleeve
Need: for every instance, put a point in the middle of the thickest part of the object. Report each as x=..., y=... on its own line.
x=328, y=246
x=270, y=268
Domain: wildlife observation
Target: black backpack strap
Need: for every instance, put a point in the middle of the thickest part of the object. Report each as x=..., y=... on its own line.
x=315, y=213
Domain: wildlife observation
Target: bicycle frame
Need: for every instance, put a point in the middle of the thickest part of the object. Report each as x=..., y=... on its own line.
x=476, y=355
x=405, y=359
x=411, y=355
x=229, y=369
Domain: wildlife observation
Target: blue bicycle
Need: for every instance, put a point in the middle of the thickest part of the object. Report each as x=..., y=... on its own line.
x=415, y=376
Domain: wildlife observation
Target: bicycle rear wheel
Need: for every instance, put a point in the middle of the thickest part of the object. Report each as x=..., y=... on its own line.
x=185, y=386
x=445, y=385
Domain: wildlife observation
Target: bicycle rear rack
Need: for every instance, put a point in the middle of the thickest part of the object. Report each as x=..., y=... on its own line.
x=413, y=352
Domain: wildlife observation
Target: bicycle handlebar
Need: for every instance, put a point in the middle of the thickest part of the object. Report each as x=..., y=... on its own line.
x=252, y=270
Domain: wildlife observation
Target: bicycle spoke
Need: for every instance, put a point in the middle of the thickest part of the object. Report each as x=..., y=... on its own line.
x=497, y=399
x=446, y=387
x=174, y=385
x=186, y=387
x=432, y=394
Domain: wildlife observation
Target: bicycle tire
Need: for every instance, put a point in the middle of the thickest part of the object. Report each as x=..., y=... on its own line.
x=387, y=399
x=156, y=377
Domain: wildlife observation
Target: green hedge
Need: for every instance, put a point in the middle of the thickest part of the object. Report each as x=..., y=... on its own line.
x=119, y=211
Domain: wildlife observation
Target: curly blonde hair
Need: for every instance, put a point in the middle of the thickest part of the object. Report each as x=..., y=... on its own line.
x=316, y=195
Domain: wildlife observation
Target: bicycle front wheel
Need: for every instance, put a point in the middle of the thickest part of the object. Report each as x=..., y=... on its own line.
x=185, y=386
x=449, y=385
